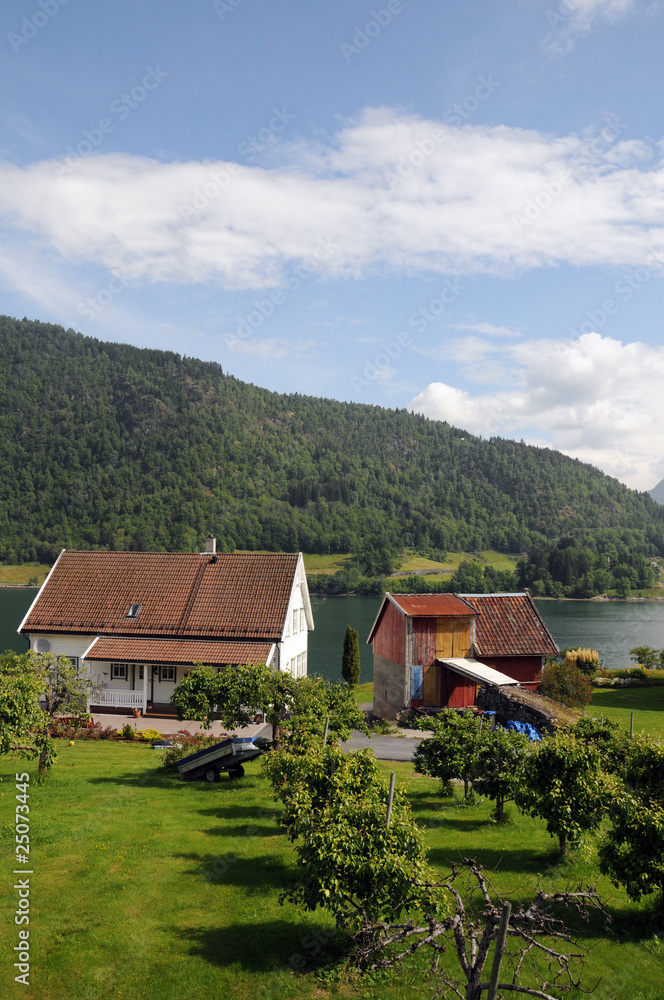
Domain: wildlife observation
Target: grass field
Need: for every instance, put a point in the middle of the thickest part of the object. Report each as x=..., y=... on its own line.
x=25, y=573
x=411, y=562
x=314, y=563
x=146, y=888
x=647, y=703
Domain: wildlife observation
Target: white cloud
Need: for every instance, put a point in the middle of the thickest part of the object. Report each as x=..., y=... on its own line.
x=475, y=200
x=272, y=348
x=487, y=329
x=593, y=398
x=569, y=19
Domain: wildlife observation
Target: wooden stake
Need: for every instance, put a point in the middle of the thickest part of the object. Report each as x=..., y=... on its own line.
x=327, y=723
x=500, y=948
x=390, y=799
x=631, y=725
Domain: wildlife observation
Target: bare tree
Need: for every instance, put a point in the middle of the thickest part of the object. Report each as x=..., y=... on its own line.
x=540, y=947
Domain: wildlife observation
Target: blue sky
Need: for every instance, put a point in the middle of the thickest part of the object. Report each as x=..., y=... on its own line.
x=456, y=208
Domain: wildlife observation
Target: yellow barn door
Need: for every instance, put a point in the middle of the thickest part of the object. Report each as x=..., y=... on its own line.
x=452, y=637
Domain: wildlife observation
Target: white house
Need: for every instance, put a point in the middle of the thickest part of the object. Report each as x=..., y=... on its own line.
x=136, y=622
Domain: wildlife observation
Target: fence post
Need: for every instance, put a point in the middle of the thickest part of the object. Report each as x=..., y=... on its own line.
x=390, y=799
x=500, y=948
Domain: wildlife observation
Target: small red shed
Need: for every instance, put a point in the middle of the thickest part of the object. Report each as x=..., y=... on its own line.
x=436, y=650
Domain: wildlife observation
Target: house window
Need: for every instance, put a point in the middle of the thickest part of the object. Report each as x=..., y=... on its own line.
x=303, y=620
x=74, y=662
x=134, y=610
x=140, y=672
x=167, y=673
x=119, y=671
x=296, y=621
x=301, y=664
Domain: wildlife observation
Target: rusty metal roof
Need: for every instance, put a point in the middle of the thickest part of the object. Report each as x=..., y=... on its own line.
x=178, y=651
x=510, y=625
x=181, y=594
x=432, y=605
x=425, y=606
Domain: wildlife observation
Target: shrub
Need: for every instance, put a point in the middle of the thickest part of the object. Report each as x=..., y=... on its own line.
x=564, y=682
x=149, y=735
x=587, y=660
x=127, y=731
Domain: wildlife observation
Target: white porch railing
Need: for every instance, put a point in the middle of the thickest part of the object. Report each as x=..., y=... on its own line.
x=118, y=699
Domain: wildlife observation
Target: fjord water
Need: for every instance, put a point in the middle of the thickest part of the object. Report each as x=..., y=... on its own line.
x=612, y=627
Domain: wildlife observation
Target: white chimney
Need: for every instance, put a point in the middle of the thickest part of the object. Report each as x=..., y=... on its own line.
x=210, y=545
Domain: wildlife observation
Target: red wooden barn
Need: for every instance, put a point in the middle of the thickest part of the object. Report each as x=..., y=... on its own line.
x=435, y=650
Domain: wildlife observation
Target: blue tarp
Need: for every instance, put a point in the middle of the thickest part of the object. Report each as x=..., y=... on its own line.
x=526, y=729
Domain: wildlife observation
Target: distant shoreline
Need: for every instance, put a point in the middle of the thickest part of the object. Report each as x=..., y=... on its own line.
x=562, y=600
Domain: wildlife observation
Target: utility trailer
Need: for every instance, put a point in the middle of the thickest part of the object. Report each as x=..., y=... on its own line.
x=229, y=755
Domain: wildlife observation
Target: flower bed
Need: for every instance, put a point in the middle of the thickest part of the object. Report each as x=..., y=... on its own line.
x=629, y=677
x=80, y=729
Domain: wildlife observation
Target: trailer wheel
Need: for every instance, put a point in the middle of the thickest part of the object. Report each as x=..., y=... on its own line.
x=211, y=774
x=236, y=772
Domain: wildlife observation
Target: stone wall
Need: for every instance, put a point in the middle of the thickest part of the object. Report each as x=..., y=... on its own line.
x=520, y=705
x=391, y=688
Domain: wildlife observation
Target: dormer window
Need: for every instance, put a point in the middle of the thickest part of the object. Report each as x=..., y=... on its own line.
x=134, y=610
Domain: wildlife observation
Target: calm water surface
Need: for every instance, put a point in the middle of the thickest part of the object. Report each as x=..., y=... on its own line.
x=612, y=627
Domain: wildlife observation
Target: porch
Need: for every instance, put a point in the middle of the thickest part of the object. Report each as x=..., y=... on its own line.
x=109, y=698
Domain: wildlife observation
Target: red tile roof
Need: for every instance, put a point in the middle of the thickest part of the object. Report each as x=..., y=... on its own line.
x=181, y=594
x=432, y=605
x=509, y=625
x=179, y=651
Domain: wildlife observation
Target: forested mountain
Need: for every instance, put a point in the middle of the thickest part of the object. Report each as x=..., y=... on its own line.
x=108, y=445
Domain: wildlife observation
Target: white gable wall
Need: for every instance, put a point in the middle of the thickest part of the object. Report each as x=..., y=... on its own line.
x=295, y=638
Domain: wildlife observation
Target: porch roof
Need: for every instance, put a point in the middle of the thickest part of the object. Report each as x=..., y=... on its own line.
x=178, y=651
x=476, y=671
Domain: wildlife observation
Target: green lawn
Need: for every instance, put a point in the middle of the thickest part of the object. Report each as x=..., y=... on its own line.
x=363, y=693
x=647, y=703
x=147, y=888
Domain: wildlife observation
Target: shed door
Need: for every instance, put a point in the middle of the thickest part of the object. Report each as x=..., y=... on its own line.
x=431, y=684
x=452, y=637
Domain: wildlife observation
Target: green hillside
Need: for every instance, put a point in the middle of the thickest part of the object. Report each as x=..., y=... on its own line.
x=108, y=445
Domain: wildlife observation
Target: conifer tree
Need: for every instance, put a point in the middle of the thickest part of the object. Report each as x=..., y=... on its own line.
x=350, y=661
